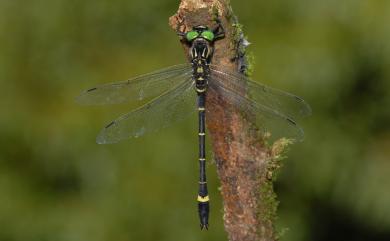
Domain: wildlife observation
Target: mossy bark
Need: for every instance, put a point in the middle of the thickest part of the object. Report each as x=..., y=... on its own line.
x=246, y=164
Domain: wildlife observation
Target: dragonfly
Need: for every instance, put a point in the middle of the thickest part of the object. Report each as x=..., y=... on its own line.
x=177, y=91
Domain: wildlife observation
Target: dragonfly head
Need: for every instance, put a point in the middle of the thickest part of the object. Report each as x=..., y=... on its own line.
x=201, y=39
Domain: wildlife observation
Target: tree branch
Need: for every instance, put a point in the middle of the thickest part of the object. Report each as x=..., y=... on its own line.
x=245, y=163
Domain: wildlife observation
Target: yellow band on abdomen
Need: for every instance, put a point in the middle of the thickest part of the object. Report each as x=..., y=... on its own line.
x=203, y=199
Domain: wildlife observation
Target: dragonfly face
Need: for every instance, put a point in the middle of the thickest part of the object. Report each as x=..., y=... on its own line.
x=201, y=40
x=201, y=49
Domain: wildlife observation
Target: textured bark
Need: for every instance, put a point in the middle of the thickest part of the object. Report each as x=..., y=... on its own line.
x=245, y=163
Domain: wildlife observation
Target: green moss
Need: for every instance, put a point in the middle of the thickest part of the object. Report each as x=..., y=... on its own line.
x=269, y=204
x=280, y=147
x=237, y=32
x=238, y=42
x=250, y=61
x=229, y=12
x=278, y=150
x=214, y=13
x=268, y=198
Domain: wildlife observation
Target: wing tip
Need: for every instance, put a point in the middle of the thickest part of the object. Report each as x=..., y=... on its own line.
x=81, y=100
x=306, y=109
x=78, y=99
x=299, y=134
x=102, y=139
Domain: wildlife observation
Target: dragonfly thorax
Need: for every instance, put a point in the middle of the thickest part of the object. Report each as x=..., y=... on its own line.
x=200, y=74
x=201, y=52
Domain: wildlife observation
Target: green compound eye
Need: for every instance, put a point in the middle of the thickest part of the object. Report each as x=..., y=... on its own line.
x=192, y=35
x=208, y=35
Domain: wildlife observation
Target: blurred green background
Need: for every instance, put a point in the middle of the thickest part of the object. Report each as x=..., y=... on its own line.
x=57, y=184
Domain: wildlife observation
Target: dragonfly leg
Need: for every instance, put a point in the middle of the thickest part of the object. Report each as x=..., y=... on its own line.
x=219, y=31
x=179, y=25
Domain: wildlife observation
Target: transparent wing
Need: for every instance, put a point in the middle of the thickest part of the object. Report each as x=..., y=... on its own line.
x=136, y=89
x=278, y=101
x=173, y=105
x=267, y=116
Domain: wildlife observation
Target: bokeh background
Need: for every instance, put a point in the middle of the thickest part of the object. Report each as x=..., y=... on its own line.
x=56, y=183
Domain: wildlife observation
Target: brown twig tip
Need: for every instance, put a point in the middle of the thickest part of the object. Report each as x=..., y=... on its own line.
x=245, y=164
x=191, y=6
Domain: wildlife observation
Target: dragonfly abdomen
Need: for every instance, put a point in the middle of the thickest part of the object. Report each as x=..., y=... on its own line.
x=203, y=197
